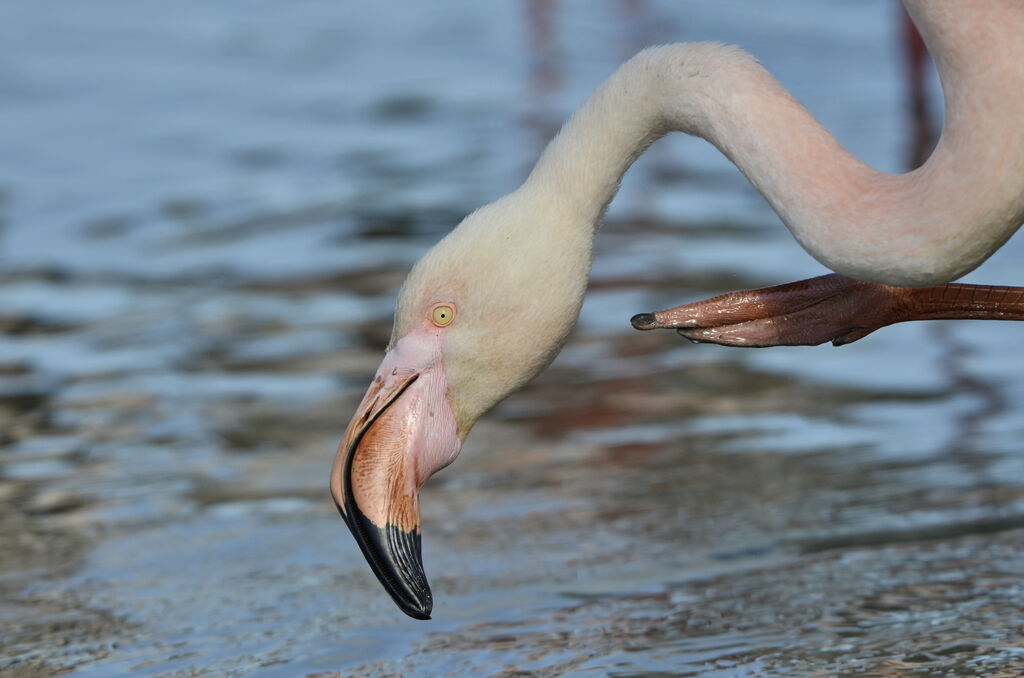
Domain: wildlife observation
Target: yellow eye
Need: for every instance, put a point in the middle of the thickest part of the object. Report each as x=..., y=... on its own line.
x=442, y=314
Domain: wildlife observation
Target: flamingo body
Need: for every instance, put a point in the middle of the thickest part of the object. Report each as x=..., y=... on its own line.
x=492, y=303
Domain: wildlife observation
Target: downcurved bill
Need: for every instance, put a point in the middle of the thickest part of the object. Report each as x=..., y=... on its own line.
x=403, y=431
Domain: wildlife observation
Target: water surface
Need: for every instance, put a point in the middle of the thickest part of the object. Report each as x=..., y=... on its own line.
x=205, y=212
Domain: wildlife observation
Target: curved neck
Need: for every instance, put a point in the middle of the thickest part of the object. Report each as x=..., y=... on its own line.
x=927, y=226
x=583, y=165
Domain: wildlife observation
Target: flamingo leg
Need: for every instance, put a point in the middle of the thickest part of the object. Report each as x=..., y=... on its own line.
x=828, y=308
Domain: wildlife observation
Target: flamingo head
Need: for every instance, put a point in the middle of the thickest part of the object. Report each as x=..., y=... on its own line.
x=482, y=313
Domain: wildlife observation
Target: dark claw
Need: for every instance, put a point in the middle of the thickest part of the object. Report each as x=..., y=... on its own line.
x=644, y=321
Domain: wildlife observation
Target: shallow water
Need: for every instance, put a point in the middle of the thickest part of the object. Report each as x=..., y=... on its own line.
x=205, y=213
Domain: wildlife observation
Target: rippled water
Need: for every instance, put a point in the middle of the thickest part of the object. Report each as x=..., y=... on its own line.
x=205, y=212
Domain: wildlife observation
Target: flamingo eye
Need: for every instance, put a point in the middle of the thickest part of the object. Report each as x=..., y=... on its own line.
x=442, y=314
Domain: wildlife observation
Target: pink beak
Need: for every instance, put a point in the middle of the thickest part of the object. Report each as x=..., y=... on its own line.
x=402, y=432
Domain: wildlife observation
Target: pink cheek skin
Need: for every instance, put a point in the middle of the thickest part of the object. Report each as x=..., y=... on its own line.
x=435, y=443
x=427, y=411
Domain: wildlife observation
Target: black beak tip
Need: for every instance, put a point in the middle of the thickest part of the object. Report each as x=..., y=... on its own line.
x=395, y=556
x=417, y=609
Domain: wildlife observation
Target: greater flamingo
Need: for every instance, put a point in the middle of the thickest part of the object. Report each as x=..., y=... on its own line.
x=491, y=304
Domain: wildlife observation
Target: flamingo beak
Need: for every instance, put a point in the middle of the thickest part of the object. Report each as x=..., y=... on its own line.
x=402, y=432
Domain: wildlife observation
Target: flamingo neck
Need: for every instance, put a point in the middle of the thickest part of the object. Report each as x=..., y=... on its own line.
x=924, y=227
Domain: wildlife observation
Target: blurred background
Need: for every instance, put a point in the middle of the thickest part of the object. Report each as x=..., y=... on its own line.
x=205, y=212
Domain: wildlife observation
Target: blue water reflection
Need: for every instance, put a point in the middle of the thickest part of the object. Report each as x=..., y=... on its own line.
x=205, y=212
